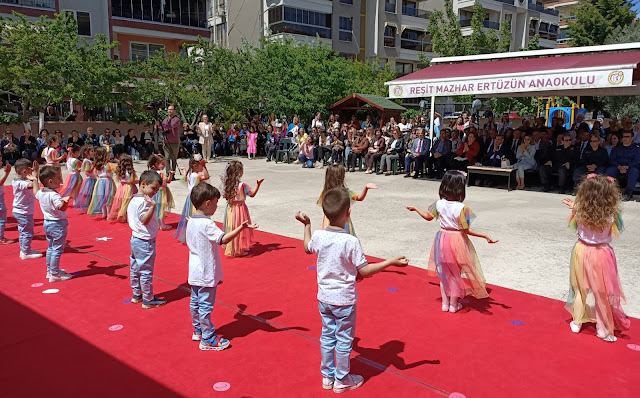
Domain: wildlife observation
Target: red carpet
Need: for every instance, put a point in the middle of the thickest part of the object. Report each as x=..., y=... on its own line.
x=513, y=344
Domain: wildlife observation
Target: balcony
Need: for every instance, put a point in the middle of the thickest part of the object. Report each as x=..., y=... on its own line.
x=464, y=23
x=300, y=29
x=512, y=2
x=539, y=8
x=46, y=4
x=416, y=45
x=414, y=12
x=185, y=12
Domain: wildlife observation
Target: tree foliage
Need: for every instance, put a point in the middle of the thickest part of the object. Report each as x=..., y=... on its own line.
x=597, y=19
x=45, y=62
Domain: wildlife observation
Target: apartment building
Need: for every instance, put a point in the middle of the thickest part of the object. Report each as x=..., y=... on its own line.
x=141, y=27
x=566, y=12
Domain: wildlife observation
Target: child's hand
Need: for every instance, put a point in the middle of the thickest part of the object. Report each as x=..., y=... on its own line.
x=66, y=198
x=36, y=167
x=247, y=225
x=64, y=155
x=489, y=240
x=148, y=199
x=31, y=177
x=259, y=182
x=371, y=186
x=412, y=208
x=568, y=202
x=303, y=218
x=400, y=261
x=7, y=169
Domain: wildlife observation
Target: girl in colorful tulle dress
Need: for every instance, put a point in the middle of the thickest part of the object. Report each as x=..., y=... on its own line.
x=235, y=192
x=50, y=154
x=453, y=257
x=334, y=178
x=105, y=187
x=73, y=182
x=163, y=199
x=596, y=294
x=86, y=190
x=196, y=173
x=128, y=186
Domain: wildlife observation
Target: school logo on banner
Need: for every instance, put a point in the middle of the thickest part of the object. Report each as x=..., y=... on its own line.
x=397, y=91
x=616, y=77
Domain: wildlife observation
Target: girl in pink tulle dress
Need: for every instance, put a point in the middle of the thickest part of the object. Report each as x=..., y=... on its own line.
x=235, y=192
x=252, y=140
x=596, y=294
x=453, y=257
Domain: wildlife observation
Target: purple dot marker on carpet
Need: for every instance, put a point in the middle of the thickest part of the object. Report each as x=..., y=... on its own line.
x=392, y=289
x=634, y=347
x=126, y=301
x=311, y=267
x=457, y=395
x=37, y=284
x=115, y=328
x=516, y=322
x=221, y=386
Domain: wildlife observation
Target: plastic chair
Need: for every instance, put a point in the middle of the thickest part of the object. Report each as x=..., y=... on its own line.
x=284, y=148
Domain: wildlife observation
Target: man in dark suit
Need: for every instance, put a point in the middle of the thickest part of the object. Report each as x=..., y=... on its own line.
x=513, y=144
x=494, y=154
x=439, y=154
x=419, y=150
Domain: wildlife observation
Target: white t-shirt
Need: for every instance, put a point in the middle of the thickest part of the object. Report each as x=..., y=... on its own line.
x=339, y=258
x=404, y=127
x=137, y=208
x=203, y=239
x=452, y=215
x=48, y=155
x=23, y=197
x=50, y=204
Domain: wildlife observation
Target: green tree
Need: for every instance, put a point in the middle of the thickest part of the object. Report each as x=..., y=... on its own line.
x=504, y=42
x=446, y=33
x=45, y=62
x=597, y=19
x=624, y=34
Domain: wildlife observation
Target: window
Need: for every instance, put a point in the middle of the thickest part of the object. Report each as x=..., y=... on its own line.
x=389, y=36
x=84, y=22
x=345, y=32
x=403, y=69
x=349, y=2
x=142, y=51
x=390, y=6
x=415, y=40
x=179, y=12
x=283, y=19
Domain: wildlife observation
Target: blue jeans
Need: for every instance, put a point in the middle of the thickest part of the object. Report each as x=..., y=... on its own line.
x=25, y=227
x=632, y=176
x=305, y=160
x=338, y=331
x=56, y=233
x=143, y=255
x=3, y=216
x=201, y=305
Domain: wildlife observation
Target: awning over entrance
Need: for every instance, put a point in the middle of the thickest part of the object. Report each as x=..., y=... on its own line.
x=570, y=75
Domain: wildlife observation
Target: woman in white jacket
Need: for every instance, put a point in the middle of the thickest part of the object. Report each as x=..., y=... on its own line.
x=205, y=131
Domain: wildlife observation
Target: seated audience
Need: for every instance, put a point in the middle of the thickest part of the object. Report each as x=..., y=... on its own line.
x=28, y=146
x=467, y=153
x=440, y=151
x=419, y=149
x=525, y=156
x=624, y=161
x=562, y=161
x=595, y=159
x=375, y=152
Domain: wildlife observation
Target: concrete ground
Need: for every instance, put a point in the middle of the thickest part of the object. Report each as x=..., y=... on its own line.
x=534, y=246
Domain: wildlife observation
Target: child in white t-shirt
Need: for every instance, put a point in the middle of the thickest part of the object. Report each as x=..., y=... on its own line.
x=3, y=207
x=54, y=210
x=340, y=259
x=205, y=271
x=141, y=215
x=25, y=186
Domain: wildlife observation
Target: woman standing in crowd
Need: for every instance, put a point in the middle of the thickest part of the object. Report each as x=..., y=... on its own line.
x=205, y=130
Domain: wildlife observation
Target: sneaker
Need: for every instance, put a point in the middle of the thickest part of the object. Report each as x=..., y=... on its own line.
x=327, y=383
x=32, y=254
x=351, y=382
x=196, y=336
x=217, y=343
x=49, y=274
x=59, y=278
x=5, y=241
x=136, y=298
x=156, y=302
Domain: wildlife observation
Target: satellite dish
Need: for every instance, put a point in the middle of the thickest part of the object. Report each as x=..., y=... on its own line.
x=475, y=106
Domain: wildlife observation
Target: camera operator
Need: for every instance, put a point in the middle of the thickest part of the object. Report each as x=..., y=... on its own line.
x=171, y=127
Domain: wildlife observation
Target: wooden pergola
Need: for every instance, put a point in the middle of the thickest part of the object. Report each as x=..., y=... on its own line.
x=384, y=107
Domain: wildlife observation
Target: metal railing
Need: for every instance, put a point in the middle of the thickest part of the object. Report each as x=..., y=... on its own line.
x=487, y=24
x=416, y=45
x=539, y=8
x=415, y=12
x=300, y=29
x=512, y=2
x=47, y=4
x=175, y=17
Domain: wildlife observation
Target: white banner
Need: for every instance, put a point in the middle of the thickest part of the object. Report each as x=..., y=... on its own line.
x=479, y=86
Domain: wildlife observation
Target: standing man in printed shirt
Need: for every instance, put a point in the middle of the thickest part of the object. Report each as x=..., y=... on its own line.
x=171, y=127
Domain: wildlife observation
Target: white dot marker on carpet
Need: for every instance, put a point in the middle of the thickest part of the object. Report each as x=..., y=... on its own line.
x=50, y=291
x=457, y=395
x=115, y=328
x=634, y=347
x=221, y=386
x=37, y=284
